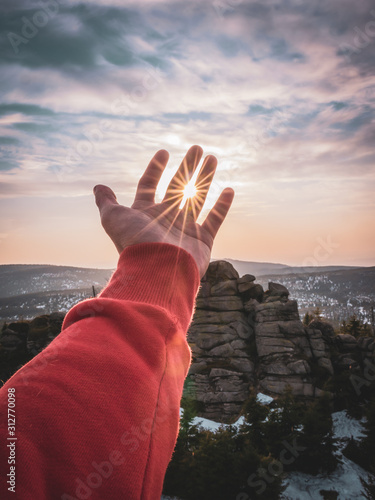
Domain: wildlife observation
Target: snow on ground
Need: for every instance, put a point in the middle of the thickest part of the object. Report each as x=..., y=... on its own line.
x=345, y=427
x=345, y=480
x=210, y=425
x=264, y=399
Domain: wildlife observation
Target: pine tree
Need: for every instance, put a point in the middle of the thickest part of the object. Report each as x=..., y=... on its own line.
x=307, y=318
x=317, y=313
x=367, y=446
x=354, y=326
x=283, y=423
x=317, y=438
x=254, y=427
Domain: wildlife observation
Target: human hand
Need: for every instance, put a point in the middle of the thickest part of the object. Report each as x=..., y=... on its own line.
x=147, y=221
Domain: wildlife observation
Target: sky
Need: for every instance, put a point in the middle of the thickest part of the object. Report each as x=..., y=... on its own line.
x=282, y=92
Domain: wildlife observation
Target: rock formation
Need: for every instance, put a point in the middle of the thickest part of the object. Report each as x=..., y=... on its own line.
x=219, y=337
x=242, y=338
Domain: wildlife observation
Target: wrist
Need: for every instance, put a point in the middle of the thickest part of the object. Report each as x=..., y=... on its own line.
x=160, y=274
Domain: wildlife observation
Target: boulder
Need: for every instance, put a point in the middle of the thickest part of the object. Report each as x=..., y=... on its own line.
x=277, y=311
x=326, y=328
x=346, y=342
x=326, y=364
x=207, y=341
x=220, y=270
x=273, y=345
x=245, y=283
x=243, y=365
x=224, y=303
x=254, y=291
x=221, y=288
x=277, y=289
x=224, y=351
x=299, y=367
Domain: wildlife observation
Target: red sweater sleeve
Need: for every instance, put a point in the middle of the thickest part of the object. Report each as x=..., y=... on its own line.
x=97, y=411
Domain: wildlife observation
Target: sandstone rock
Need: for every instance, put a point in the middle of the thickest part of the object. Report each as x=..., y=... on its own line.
x=272, y=345
x=228, y=287
x=276, y=289
x=326, y=364
x=197, y=367
x=239, y=344
x=242, y=365
x=207, y=341
x=234, y=318
x=346, y=342
x=197, y=351
x=292, y=328
x=277, y=311
x=204, y=290
x=11, y=341
x=243, y=329
x=317, y=344
x=277, y=368
x=250, y=306
x=216, y=317
x=273, y=298
x=22, y=327
x=365, y=342
x=254, y=291
x=299, y=367
x=220, y=397
x=224, y=351
x=231, y=385
x=239, y=353
x=245, y=283
x=221, y=372
x=274, y=385
x=302, y=345
x=345, y=361
x=220, y=270
x=325, y=328
x=268, y=330
x=225, y=303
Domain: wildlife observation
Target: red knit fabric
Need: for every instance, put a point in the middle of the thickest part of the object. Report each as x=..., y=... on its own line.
x=97, y=411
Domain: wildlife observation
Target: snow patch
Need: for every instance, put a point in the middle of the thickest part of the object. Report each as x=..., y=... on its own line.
x=264, y=399
x=345, y=480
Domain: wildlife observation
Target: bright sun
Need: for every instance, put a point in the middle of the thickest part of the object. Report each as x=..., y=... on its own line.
x=190, y=190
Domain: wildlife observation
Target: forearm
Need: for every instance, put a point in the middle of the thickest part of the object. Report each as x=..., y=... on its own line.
x=98, y=409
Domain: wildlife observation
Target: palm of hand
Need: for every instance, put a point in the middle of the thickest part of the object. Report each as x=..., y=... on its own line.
x=165, y=222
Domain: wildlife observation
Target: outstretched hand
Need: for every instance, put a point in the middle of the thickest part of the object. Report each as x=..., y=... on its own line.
x=147, y=221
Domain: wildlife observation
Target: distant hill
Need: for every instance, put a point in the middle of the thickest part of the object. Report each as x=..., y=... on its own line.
x=267, y=268
x=30, y=290
x=20, y=279
x=340, y=291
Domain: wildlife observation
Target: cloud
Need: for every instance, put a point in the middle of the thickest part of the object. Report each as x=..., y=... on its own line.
x=273, y=89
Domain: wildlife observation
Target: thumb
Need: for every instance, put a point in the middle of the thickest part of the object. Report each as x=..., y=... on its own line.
x=104, y=196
